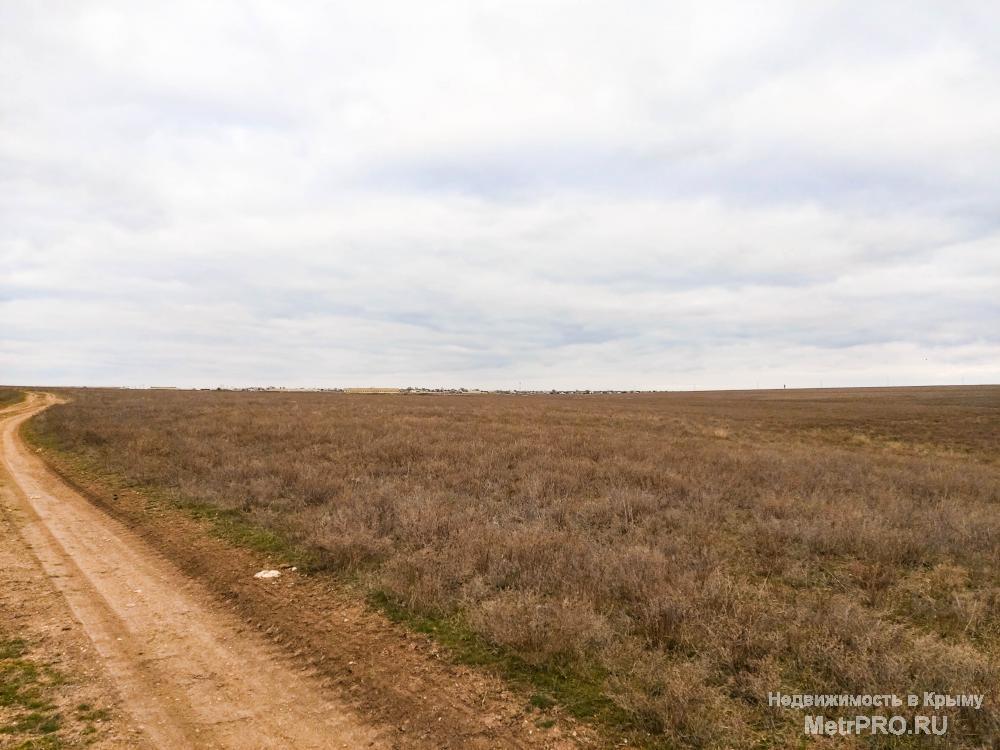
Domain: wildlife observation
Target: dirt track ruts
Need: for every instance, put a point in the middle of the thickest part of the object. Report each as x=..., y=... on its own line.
x=190, y=673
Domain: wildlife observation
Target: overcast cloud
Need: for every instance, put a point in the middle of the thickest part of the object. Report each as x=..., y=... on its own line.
x=500, y=194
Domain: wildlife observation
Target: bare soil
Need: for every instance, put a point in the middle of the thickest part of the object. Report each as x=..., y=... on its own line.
x=47, y=661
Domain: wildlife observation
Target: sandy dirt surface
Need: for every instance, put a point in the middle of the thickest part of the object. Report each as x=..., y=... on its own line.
x=199, y=653
x=34, y=616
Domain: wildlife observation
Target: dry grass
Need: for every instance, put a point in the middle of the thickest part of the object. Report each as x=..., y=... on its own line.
x=693, y=551
x=10, y=396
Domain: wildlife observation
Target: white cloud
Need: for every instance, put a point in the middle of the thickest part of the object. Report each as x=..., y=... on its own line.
x=554, y=194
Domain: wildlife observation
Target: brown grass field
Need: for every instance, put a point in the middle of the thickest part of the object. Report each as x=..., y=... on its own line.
x=9, y=396
x=658, y=562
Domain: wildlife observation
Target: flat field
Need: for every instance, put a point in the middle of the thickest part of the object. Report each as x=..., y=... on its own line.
x=9, y=396
x=658, y=562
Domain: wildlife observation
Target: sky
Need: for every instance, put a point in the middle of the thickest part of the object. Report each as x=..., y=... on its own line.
x=501, y=194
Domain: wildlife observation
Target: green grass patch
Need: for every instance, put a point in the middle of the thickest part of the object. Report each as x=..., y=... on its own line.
x=232, y=527
x=26, y=689
x=45, y=742
x=86, y=712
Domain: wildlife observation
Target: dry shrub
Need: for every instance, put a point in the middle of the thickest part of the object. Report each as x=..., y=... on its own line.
x=945, y=599
x=539, y=628
x=699, y=572
x=673, y=697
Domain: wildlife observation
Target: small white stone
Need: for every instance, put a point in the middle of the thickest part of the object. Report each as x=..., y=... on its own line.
x=267, y=574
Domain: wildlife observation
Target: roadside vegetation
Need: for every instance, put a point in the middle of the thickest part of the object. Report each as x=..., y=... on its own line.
x=657, y=563
x=10, y=396
x=31, y=717
x=28, y=717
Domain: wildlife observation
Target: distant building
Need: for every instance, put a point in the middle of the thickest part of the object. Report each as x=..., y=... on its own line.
x=373, y=390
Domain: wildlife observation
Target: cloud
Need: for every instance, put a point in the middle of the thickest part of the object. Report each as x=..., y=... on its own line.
x=490, y=194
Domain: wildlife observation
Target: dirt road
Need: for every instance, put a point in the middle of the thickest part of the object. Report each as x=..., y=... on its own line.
x=189, y=673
